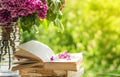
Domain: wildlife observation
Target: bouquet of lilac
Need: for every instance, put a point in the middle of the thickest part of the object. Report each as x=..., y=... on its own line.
x=11, y=9
x=29, y=13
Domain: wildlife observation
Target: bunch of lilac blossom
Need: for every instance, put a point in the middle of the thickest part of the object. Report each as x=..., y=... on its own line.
x=5, y=16
x=63, y=55
x=10, y=9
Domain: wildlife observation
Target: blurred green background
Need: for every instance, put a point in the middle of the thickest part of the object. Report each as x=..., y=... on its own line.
x=91, y=27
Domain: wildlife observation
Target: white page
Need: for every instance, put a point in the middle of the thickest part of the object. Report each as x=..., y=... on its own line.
x=39, y=49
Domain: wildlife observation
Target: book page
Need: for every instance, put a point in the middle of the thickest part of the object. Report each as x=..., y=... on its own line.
x=21, y=54
x=39, y=49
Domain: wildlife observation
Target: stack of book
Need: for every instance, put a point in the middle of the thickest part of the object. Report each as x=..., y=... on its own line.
x=37, y=59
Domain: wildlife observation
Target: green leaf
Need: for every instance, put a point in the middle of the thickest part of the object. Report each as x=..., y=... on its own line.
x=59, y=24
x=60, y=15
x=27, y=23
x=53, y=10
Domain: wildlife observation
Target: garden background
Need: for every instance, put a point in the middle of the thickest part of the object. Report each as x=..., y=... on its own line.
x=91, y=27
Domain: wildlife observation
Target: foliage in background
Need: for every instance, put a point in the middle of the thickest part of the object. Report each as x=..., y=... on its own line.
x=91, y=27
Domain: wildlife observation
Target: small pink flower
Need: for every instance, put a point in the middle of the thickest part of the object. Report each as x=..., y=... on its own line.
x=64, y=55
x=52, y=58
x=68, y=57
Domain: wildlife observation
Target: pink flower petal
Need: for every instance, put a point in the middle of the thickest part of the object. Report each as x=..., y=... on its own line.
x=52, y=58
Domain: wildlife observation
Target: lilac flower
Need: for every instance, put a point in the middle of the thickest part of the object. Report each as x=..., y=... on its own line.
x=5, y=16
x=52, y=58
x=64, y=55
x=41, y=11
x=18, y=8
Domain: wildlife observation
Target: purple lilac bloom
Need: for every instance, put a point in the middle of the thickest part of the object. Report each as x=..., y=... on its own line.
x=64, y=55
x=52, y=58
x=41, y=11
x=19, y=8
x=25, y=7
x=5, y=16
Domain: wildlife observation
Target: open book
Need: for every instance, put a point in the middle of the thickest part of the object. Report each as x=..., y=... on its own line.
x=37, y=54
